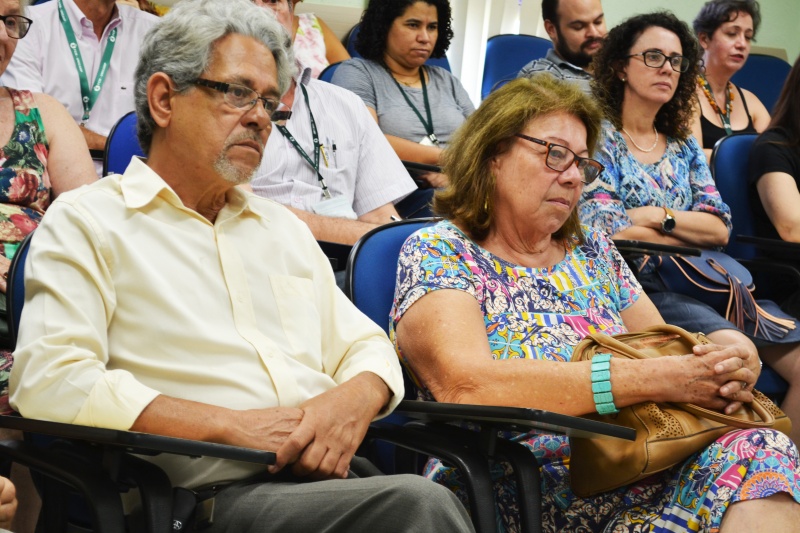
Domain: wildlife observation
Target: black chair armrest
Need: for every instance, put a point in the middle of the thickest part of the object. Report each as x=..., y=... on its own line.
x=772, y=245
x=337, y=253
x=418, y=170
x=140, y=443
x=626, y=246
x=513, y=419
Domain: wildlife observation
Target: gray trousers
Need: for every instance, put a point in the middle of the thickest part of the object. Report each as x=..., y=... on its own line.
x=399, y=503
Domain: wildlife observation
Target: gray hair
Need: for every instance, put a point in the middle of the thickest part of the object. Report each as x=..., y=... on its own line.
x=23, y=5
x=180, y=45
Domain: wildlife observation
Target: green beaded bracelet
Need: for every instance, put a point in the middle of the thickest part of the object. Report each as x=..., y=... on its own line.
x=601, y=384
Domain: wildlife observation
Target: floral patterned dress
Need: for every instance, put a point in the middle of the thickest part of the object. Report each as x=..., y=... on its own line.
x=24, y=193
x=542, y=314
x=309, y=44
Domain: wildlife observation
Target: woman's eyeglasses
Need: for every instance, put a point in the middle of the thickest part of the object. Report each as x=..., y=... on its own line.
x=559, y=158
x=656, y=59
x=17, y=26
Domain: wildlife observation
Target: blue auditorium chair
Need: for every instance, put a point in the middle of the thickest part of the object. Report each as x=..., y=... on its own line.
x=506, y=55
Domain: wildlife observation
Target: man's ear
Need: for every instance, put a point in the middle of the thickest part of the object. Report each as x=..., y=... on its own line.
x=550, y=28
x=159, y=96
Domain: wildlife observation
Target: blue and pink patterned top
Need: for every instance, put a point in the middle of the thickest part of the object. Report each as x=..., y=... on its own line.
x=530, y=313
x=680, y=180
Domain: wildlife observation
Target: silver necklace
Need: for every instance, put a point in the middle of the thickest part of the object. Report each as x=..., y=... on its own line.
x=639, y=147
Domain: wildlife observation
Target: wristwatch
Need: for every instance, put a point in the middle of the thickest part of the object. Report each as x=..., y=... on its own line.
x=668, y=224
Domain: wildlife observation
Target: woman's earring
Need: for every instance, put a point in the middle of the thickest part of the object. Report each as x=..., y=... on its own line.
x=624, y=79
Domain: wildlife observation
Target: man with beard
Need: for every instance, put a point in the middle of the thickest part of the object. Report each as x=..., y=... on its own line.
x=168, y=301
x=577, y=29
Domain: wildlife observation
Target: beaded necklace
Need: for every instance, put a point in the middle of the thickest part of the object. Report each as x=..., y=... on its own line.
x=725, y=117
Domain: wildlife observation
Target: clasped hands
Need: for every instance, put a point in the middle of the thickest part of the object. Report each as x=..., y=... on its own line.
x=318, y=438
x=733, y=370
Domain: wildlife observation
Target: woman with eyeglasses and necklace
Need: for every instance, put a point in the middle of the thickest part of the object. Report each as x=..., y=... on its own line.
x=725, y=29
x=490, y=303
x=657, y=186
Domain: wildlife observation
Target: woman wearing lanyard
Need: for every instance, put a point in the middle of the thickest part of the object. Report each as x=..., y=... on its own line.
x=725, y=29
x=417, y=106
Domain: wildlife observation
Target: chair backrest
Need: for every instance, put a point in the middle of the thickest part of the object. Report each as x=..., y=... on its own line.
x=372, y=268
x=729, y=162
x=15, y=293
x=327, y=72
x=351, y=49
x=506, y=55
x=764, y=76
x=121, y=145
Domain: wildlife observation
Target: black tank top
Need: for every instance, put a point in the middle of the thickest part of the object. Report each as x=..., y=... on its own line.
x=712, y=133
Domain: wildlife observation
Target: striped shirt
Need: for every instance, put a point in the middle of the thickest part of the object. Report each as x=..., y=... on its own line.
x=561, y=69
x=359, y=162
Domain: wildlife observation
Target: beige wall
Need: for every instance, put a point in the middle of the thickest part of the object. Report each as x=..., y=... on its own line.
x=780, y=27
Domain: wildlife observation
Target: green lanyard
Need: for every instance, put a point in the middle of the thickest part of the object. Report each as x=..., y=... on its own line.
x=725, y=118
x=88, y=95
x=315, y=163
x=429, y=124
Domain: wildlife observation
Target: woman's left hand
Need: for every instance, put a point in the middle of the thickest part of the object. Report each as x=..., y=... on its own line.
x=648, y=216
x=740, y=356
x=437, y=180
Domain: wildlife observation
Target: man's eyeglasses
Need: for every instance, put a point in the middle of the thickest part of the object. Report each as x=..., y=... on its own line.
x=559, y=158
x=17, y=26
x=656, y=59
x=245, y=98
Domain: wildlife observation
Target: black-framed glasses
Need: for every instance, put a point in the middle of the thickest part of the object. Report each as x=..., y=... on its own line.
x=656, y=59
x=17, y=26
x=559, y=158
x=245, y=98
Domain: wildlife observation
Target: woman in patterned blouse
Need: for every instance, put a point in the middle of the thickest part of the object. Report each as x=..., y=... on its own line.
x=657, y=186
x=490, y=303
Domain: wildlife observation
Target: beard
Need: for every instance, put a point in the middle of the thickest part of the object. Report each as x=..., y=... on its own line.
x=580, y=58
x=228, y=170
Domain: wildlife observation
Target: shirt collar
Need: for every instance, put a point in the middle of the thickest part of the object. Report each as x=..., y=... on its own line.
x=553, y=57
x=77, y=16
x=140, y=185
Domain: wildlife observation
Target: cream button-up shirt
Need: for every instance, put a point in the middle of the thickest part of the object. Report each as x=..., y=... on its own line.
x=129, y=295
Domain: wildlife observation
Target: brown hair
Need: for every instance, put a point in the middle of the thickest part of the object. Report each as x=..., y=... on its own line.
x=674, y=117
x=488, y=132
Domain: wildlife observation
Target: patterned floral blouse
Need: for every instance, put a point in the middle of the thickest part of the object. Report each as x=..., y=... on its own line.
x=531, y=313
x=24, y=182
x=680, y=180
x=542, y=314
x=309, y=44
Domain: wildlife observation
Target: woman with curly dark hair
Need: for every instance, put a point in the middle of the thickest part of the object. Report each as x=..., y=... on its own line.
x=725, y=29
x=417, y=106
x=657, y=186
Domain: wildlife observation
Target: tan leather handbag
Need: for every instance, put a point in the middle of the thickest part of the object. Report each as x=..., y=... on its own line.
x=666, y=433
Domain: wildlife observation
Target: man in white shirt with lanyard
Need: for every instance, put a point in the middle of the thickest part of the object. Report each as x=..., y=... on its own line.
x=82, y=53
x=330, y=163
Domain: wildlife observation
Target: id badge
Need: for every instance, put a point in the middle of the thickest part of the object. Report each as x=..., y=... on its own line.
x=338, y=207
x=426, y=141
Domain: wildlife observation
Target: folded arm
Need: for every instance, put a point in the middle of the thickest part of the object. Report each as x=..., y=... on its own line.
x=450, y=353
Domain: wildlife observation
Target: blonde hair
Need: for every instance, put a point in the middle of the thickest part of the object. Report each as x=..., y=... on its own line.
x=488, y=132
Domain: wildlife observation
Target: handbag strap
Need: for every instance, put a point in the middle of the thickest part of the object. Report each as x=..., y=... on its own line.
x=630, y=352
x=767, y=419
